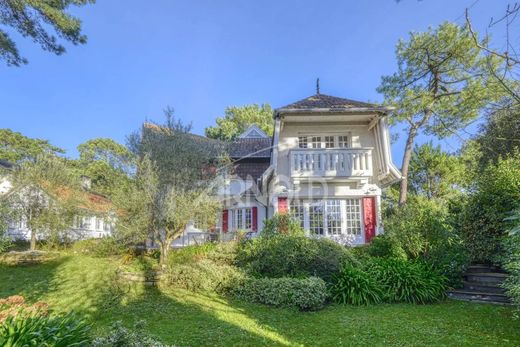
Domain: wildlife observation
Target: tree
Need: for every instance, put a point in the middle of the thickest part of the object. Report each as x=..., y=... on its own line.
x=44, y=195
x=31, y=18
x=15, y=147
x=106, y=162
x=237, y=119
x=438, y=88
x=434, y=173
x=173, y=184
x=499, y=136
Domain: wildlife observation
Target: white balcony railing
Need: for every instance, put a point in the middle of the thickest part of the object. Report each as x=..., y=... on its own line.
x=344, y=162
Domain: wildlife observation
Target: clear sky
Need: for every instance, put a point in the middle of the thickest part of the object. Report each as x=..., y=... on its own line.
x=200, y=56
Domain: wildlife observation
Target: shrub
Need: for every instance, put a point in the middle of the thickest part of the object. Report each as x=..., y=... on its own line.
x=511, y=262
x=24, y=325
x=292, y=256
x=384, y=246
x=406, y=281
x=120, y=336
x=306, y=294
x=103, y=247
x=202, y=276
x=282, y=223
x=5, y=243
x=355, y=286
x=418, y=225
x=483, y=220
x=450, y=260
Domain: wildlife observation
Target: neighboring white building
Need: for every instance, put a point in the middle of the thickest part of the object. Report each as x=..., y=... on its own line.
x=326, y=164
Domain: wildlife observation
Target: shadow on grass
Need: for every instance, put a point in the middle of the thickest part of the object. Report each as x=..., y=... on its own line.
x=87, y=286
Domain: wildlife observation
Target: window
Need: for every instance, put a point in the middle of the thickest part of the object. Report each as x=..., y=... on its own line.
x=316, y=217
x=316, y=142
x=106, y=226
x=343, y=141
x=329, y=141
x=248, y=218
x=242, y=218
x=302, y=142
x=353, y=216
x=98, y=223
x=333, y=208
x=297, y=210
x=85, y=223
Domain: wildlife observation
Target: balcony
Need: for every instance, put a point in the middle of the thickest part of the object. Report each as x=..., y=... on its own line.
x=331, y=163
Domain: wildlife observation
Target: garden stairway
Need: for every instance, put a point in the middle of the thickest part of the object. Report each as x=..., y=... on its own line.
x=482, y=284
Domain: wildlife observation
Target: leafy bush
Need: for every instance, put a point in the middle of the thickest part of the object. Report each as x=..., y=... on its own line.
x=384, y=246
x=31, y=325
x=120, y=336
x=306, y=294
x=511, y=262
x=202, y=276
x=406, y=281
x=450, y=260
x=355, y=286
x=483, y=221
x=5, y=243
x=292, y=256
x=418, y=225
x=282, y=223
x=102, y=248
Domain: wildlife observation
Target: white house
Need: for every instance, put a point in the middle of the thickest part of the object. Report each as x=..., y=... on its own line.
x=326, y=164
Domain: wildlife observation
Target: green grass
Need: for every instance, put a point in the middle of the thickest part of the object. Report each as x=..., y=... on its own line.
x=182, y=318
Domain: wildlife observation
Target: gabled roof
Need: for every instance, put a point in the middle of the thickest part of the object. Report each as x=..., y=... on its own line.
x=250, y=148
x=326, y=101
x=253, y=132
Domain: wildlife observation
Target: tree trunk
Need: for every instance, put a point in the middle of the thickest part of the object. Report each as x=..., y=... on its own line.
x=165, y=250
x=33, y=240
x=403, y=192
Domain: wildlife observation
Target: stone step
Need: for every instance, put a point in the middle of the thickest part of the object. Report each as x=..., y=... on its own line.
x=476, y=296
x=479, y=286
x=479, y=268
x=488, y=278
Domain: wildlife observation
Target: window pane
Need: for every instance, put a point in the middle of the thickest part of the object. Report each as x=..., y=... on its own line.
x=353, y=216
x=248, y=218
x=302, y=141
x=297, y=211
x=316, y=217
x=329, y=141
x=239, y=222
x=343, y=141
x=316, y=142
x=333, y=217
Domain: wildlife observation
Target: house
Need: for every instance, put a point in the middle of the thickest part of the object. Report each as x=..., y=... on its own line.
x=329, y=159
x=95, y=220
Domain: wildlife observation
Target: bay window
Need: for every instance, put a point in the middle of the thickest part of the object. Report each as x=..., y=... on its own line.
x=329, y=217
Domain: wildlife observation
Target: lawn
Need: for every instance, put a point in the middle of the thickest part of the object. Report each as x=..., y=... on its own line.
x=182, y=318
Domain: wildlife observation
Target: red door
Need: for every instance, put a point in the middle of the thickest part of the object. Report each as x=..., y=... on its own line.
x=225, y=221
x=369, y=218
x=282, y=205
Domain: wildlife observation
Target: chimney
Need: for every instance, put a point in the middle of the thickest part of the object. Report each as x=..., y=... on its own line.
x=86, y=182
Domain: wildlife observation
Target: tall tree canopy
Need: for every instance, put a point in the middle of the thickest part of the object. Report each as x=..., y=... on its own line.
x=237, y=119
x=106, y=162
x=439, y=86
x=434, y=173
x=15, y=147
x=32, y=18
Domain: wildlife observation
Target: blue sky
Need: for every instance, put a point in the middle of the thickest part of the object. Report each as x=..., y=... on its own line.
x=200, y=56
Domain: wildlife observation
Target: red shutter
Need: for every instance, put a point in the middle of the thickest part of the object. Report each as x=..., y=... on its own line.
x=254, y=212
x=369, y=218
x=282, y=205
x=225, y=221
